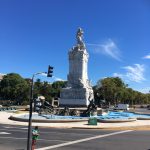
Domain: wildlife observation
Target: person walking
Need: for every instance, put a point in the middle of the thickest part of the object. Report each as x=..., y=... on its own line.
x=35, y=135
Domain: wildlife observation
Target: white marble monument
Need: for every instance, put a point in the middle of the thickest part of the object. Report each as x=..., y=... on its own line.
x=79, y=90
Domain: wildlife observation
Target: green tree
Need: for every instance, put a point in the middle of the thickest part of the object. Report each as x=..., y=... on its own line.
x=15, y=88
x=49, y=91
x=110, y=89
x=57, y=86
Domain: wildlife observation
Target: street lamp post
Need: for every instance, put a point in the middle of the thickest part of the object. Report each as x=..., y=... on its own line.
x=30, y=111
x=30, y=114
x=49, y=74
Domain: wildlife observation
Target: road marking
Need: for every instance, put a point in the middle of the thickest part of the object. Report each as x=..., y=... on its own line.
x=23, y=128
x=10, y=137
x=82, y=140
x=20, y=130
x=14, y=130
x=8, y=127
x=4, y=133
x=14, y=138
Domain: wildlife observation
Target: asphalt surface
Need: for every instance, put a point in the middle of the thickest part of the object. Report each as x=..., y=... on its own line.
x=15, y=138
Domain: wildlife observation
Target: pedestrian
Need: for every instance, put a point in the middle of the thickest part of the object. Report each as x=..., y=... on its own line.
x=35, y=135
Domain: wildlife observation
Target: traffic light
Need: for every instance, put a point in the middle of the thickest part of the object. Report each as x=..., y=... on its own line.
x=50, y=71
x=37, y=105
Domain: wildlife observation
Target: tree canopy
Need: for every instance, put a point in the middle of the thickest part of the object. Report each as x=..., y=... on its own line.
x=111, y=90
x=15, y=88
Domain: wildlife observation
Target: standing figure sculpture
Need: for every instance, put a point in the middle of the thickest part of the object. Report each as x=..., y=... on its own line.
x=79, y=37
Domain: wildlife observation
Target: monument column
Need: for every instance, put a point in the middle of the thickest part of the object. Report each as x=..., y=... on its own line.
x=78, y=91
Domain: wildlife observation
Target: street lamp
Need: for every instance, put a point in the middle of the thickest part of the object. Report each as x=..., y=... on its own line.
x=49, y=74
x=30, y=111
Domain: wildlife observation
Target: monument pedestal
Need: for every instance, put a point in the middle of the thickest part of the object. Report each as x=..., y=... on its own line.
x=75, y=97
x=73, y=103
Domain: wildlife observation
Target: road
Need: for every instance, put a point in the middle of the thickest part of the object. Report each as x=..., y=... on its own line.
x=15, y=138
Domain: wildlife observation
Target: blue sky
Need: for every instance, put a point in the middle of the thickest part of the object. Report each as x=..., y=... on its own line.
x=38, y=33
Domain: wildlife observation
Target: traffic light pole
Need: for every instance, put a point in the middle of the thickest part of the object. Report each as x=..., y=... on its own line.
x=49, y=74
x=30, y=115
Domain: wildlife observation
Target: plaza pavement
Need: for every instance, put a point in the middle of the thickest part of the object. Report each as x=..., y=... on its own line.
x=139, y=124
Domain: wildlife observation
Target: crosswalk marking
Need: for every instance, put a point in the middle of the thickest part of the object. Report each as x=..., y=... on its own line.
x=8, y=127
x=4, y=133
x=23, y=128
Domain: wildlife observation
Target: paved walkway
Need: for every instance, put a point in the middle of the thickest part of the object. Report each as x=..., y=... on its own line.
x=139, y=124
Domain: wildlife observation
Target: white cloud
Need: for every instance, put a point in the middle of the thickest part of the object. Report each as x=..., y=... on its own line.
x=133, y=73
x=2, y=74
x=57, y=79
x=118, y=75
x=144, y=90
x=147, y=56
x=44, y=74
x=53, y=77
x=108, y=48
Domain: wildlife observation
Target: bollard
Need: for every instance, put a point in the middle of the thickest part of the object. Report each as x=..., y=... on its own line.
x=92, y=121
x=35, y=135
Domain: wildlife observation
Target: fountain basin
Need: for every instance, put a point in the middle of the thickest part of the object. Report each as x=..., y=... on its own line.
x=47, y=118
x=111, y=117
x=116, y=120
x=114, y=117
